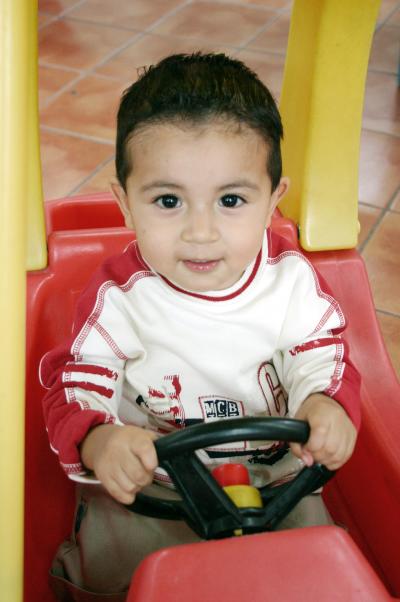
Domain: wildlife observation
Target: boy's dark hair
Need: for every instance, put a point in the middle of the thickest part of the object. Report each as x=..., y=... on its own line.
x=193, y=88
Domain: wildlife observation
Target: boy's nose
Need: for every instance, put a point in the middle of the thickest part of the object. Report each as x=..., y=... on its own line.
x=200, y=227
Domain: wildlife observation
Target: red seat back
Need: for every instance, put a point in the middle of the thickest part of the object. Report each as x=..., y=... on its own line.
x=313, y=565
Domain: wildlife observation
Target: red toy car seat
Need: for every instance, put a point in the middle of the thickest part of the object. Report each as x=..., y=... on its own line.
x=365, y=495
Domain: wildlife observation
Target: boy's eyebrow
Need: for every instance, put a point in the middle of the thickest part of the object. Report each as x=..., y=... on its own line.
x=240, y=184
x=236, y=184
x=160, y=184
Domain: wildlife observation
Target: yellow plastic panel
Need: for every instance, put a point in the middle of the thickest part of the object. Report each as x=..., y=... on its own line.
x=321, y=106
x=14, y=133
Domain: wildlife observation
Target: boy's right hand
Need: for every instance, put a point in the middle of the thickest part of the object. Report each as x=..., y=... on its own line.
x=123, y=458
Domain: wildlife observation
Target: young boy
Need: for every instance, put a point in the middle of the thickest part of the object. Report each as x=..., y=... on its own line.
x=207, y=315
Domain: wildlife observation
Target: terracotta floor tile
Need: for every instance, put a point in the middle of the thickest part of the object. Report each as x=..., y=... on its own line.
x=382, y=103
x=390, y=327
x=78, y=45
x=275, y=36
x=379, y=168
x=396, y=202
x=51, y=80
x=149, y=50
x=382, y=258
x=67, y=160
x=89, y=107
x=387, y=6
x=394, y=19
x=137, y=14
x=385, y=50
x=367, y=217
x=269, y=68
x=100, y=181
x=55, y=7
x=215, y=22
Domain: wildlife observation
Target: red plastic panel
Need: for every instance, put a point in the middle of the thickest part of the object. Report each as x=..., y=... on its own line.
x=365, y=495
x=73, y=256
x=310, y=565
x=83, y=212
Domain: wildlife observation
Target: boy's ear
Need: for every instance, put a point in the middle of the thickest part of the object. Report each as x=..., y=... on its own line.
x=122, y=199
x=277, y=196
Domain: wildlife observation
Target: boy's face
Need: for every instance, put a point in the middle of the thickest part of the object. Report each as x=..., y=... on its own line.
x=199, y=199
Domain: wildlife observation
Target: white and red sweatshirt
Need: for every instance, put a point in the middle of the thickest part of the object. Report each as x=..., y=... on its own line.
x=145, y=352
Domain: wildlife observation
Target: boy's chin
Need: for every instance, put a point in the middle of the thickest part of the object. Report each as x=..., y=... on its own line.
x=204, y=283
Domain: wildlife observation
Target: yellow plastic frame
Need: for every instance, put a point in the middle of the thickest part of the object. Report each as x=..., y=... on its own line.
x=321, y=106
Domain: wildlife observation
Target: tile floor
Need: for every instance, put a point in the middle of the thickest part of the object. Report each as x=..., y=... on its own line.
x=89, y=52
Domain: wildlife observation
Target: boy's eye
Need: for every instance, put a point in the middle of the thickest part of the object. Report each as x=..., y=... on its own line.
x=168, y=201
x=231, y=201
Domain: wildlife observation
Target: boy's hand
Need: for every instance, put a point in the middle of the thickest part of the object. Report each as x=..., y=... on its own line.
x=332, y=437
x=123, y=458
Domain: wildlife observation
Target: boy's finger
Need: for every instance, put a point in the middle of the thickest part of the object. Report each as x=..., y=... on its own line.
x=301, y=453
x=127, y=482
x=119, y=494
x=296, y=449
x=317, y=440
x=131, y=475
x=147, y=454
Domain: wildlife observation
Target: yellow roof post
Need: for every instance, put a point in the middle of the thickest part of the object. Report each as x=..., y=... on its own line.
x=36, y=251
x=19, y=176
x=321, y=106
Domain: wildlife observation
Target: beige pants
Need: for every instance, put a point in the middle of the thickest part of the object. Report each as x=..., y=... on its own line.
x=109, y=542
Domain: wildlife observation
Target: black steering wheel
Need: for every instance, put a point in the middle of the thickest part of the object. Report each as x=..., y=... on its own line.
x=204, y=505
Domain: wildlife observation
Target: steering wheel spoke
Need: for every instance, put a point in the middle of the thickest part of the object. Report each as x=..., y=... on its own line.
x=289, y=494
x=202, y=498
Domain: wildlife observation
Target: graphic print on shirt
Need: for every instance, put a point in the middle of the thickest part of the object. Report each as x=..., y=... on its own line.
x=274, y=394
x=217, y=407
x=166, y=403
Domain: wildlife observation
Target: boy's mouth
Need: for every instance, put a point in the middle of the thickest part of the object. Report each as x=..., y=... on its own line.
x=201, y=265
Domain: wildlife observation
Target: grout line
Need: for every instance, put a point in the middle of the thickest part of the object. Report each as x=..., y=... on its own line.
x=138, y=35
x=261, y=30
x=384, y=22
x=76, y=80
x=370, y=205
x=73, y=7
x=374, y=131
x=387, y=313
x=63, y=12
x=372, y=231
x=95, y=171
x=381, y=71
x=384, y=71
x=84, y=21
x=52, y=19
x=255, y=7
x=61, y=91
x=384, y=211
x=60, y=15
x=154, y=24
x=53, y=130
x=58, y=66
x=91, y=70
x=265, y=52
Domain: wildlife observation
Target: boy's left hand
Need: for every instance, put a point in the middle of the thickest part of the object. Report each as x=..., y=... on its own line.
x=332, y=437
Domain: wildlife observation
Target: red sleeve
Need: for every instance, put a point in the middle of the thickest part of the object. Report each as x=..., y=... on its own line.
x=72, y=380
